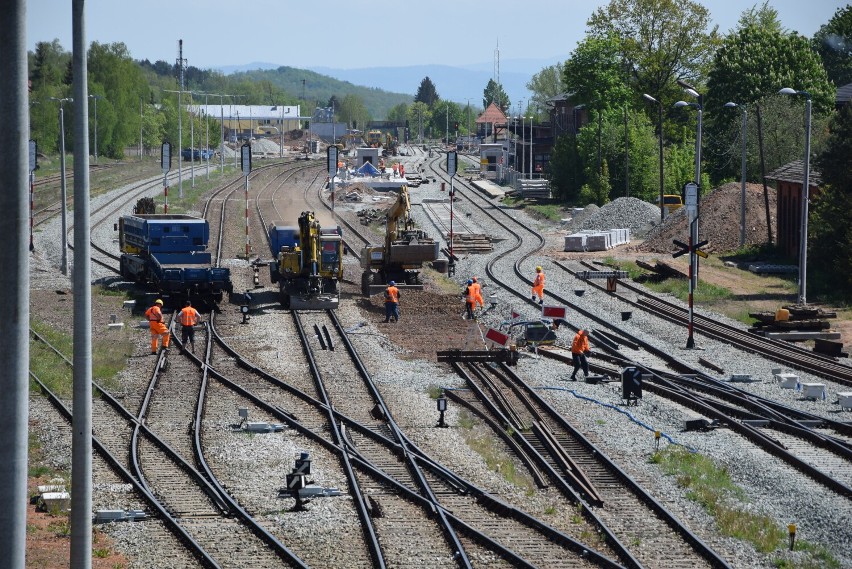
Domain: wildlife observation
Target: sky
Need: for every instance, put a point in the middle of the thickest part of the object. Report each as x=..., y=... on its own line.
x=352, y=35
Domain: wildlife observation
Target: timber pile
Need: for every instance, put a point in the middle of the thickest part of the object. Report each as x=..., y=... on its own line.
x=802, y=318
x=659, y=271
x=465, y=243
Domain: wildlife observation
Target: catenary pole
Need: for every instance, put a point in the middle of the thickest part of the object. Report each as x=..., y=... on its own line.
x=81, y=437
x=14, y=279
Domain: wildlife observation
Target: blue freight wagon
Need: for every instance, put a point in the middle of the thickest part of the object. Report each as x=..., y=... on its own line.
x=169, y=253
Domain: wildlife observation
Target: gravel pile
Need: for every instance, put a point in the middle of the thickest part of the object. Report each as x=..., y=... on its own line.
x=637, y=215
x=719, y=220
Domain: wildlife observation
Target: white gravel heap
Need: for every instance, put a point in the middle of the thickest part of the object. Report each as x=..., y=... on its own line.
x=637, y=215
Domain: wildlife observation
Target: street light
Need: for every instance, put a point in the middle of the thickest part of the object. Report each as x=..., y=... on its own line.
x=803, y=238
x=662, y=177
x=692, y=210
x=96, y=97
x=63, y=266
x=743, y=173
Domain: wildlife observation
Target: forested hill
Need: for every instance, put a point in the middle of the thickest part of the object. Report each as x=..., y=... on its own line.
x=310, y=86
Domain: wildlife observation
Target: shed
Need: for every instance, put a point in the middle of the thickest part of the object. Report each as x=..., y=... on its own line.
x=789, y=180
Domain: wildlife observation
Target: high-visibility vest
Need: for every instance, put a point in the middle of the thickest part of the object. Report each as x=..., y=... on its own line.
x=580, y=344
x=539, y=280
x=188, y=316
x=154, y=314
x=470, y=294
x=392, y=294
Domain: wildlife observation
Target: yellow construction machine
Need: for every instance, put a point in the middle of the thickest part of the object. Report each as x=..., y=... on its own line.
x=404, y=251
x=308, y=264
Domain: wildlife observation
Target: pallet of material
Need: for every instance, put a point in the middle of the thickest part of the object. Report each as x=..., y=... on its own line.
x=471, y=243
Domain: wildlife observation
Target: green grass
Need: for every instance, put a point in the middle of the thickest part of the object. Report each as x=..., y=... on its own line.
x=711, y=486
x=550, y=212
x=493, y=456
x=818, y=558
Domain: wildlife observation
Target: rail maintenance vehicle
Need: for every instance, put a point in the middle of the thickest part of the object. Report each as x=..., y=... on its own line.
x=308, y=263
x=169, y=252
x=403, y=253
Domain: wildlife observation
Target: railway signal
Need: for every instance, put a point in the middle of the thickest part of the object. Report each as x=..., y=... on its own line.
x=694, y=251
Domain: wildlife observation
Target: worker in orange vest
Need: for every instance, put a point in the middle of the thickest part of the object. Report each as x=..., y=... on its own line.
x=579, y=351
x=538, y=285
x=188, y=318
x=477, y=292
x=469, y=299
x=391, y=302
x=158, y=328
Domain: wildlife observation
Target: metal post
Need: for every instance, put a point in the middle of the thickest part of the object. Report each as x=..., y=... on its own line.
x=626, y=156
x=803, y=249
x=141, y=122
x=96, y=97
x=191, y=143
x=81, y=437
x=532, y=165
x=693, y=236
x=63, y=197
x=14, y=280
x=207, y=134
x=662, y=178
x=222, y=134
x=743, y=174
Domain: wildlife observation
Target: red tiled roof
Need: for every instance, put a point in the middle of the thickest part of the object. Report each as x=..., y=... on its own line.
x=492, y=114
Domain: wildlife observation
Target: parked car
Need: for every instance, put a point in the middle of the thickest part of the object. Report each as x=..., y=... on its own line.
x=197, y=154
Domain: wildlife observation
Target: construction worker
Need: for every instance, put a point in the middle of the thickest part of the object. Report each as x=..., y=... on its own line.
x=469, y=299
x=477, y=292
x=538, y=285
x=391, y=302
x=188, y=318
x=579, y=351
x=158, y=328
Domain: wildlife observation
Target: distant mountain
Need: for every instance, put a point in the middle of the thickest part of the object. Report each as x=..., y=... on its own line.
x=383, y=87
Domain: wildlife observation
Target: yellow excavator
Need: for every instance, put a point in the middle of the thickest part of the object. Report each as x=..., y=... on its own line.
x=403, y=253
x=308, y=264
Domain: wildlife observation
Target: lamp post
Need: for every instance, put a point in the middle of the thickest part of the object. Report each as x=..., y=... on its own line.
x=660, y=128
x=692, y=210
x=96, y=97
x=803, y=237
x=743, y=172
x=63, y=266
x=468, y=125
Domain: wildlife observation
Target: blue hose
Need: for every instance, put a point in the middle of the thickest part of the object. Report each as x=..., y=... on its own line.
x=623, y=412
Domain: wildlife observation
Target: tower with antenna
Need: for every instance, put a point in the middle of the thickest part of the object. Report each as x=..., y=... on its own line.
x=501, y=104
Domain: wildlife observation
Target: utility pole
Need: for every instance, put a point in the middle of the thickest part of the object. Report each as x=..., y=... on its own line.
x=14, y=280
x=81, y=437
x=180, y=63
x=96, y=97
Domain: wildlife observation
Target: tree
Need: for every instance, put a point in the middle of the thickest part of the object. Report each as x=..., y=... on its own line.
x=660, y=41
x=398, y=113
x=749, y=68
x=765, y=17
x=833, y=43
x=353, y=111
x=419, y=116
x=547, y=84
x=566, y=169
x=118, y=80
x=594, y=74
x=494, y=93
x=830, y=235
x=426, y=93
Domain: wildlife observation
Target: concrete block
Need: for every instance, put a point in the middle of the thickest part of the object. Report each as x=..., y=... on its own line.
x=813, y=390
x=575, y=242
x=787, y=380
x=845, y=400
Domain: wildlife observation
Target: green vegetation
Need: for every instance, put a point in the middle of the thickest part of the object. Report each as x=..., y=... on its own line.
x=495, y=459
x=711, y=486
x=818, y=558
